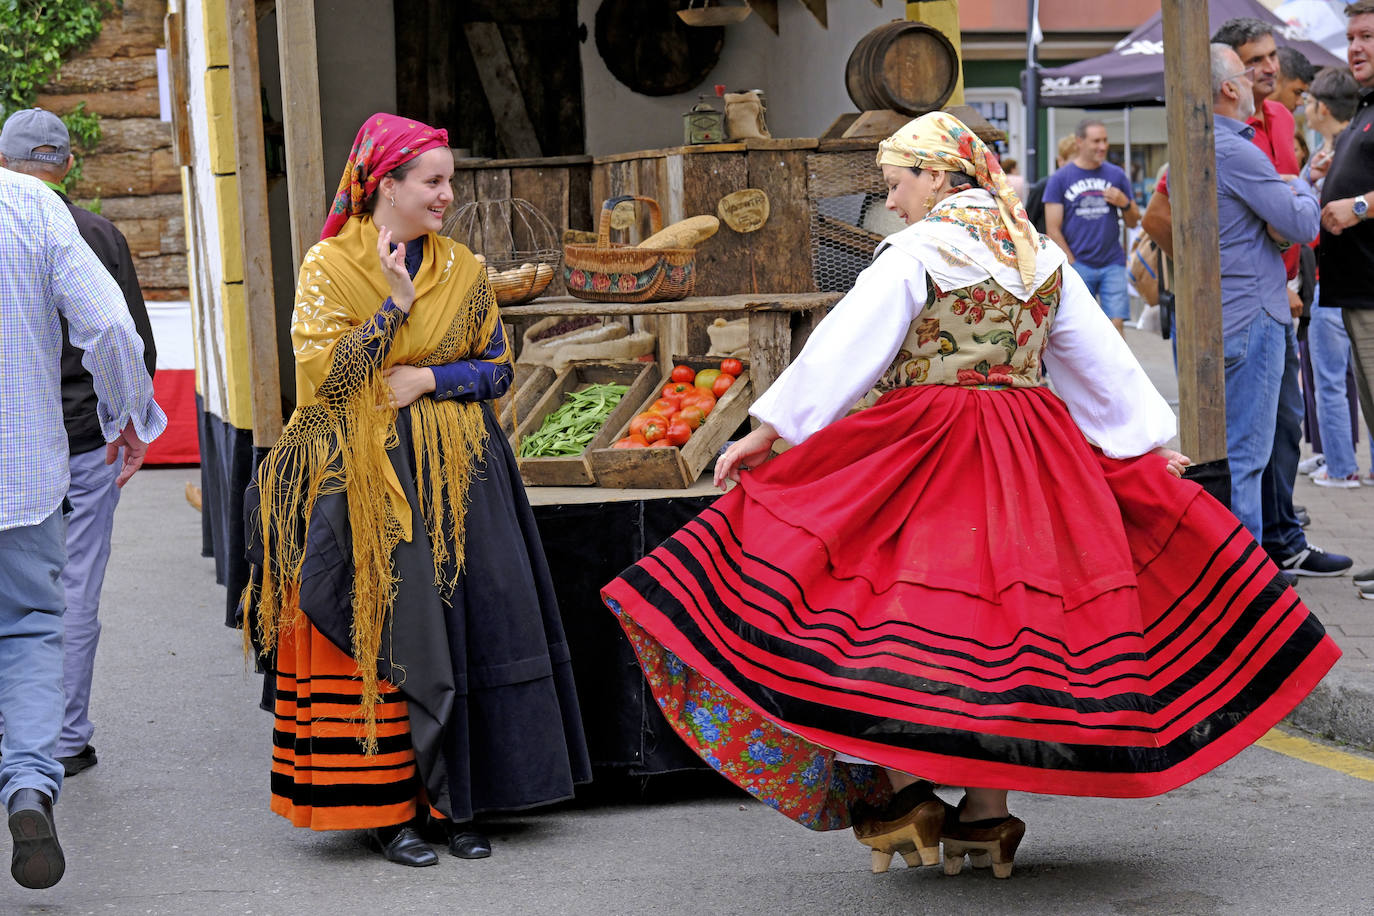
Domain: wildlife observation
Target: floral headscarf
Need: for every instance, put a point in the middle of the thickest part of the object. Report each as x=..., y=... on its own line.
x=383, y=142
x=942, y=142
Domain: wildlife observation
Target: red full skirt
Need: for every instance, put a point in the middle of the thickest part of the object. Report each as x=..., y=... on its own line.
x=954, y=583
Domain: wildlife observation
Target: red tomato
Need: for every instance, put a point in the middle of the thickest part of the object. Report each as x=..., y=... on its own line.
x=678, y=432
x=631, y=442
x=641, y=420
x=683, y=374
x=691, y=414
x=731, y=367
x=722, y=385
x=700, y=398
x=654, y=430
x=665, y=407
x=677, y=389
x=661, y=443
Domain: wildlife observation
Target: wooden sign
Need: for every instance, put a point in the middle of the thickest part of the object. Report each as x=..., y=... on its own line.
x=623, y=215
x=744, y=211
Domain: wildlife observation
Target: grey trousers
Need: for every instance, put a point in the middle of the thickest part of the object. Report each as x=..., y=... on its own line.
x=93, y=496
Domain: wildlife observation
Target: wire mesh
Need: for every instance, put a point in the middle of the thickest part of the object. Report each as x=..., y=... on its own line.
x=847, y=199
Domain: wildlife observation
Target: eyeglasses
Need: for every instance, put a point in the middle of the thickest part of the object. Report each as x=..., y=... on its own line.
x=1248, y=73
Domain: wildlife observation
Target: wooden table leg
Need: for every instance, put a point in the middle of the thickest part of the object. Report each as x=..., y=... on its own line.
x=770, y=347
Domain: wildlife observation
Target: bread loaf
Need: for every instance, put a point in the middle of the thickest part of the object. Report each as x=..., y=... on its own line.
x=688, y=233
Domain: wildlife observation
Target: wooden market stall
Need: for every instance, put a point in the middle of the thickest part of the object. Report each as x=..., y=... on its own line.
x=798, y=219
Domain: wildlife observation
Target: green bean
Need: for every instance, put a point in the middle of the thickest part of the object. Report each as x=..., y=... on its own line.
x=567, y=430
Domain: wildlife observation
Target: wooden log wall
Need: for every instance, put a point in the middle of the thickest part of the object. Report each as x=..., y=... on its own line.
x=132, y=170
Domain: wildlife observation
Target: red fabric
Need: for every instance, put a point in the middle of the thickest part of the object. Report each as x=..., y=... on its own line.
x=1274, y=137
x=175, y=392
x=988, y=601
x=383, y=142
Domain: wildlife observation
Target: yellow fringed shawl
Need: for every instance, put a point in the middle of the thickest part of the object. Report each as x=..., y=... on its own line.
x=338, y=437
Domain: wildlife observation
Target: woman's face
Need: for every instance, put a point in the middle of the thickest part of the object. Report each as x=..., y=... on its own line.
x=421, y=197
x=908, y=191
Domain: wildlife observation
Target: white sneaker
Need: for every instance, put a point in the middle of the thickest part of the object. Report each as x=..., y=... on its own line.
x=1322, y=479
x=1367, y=479
x=1311, y=465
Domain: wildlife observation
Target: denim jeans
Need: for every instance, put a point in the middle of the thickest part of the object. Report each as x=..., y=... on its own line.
x=1330, y=348
x=93, y=496
x=1254, y=359
x=1282, y=534
x=31, y=605
x=1108, y=284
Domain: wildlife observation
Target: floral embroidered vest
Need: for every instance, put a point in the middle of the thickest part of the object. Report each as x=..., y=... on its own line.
x=976, y=335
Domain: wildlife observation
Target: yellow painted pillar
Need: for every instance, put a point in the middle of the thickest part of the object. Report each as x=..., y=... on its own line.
x=942, y=15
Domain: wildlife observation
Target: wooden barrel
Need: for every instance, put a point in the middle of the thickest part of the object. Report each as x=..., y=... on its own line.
x=908, y=67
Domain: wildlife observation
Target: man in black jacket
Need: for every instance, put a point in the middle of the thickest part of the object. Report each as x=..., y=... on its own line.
x=36, y=143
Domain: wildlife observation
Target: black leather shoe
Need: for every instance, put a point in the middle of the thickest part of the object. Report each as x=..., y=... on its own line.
x=469, y=845
x=83, y=759
x=38, y=861
x=404, y=846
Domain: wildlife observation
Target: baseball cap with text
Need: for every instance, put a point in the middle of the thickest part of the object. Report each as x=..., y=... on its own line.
x=27, y=131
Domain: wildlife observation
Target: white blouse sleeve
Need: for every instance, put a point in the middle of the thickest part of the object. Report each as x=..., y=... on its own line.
x=848, y=351
x=1108, y=394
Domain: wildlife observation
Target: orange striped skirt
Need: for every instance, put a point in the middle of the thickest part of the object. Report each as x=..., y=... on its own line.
x=321, y=778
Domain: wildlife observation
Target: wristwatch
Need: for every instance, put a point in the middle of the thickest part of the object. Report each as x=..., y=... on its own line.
x=1360, y=207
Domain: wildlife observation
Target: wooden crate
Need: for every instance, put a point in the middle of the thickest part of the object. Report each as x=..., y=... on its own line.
x=528, y=387
x=677, y=467
x=575, y=470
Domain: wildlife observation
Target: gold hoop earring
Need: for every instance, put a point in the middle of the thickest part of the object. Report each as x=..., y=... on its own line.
x=930, y=203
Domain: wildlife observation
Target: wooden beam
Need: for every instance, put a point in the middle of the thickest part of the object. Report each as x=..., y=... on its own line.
x=768, y=12
x=306, y=190
x=1193, y=197
x=254, y=229
x=174, y=32
x=817, y=8
x=494, y=69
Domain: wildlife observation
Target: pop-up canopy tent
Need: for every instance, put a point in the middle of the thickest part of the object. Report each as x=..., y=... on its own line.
x=1132, y=73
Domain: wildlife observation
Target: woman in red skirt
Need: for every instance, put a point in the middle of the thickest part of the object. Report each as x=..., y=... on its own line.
x=977, y=581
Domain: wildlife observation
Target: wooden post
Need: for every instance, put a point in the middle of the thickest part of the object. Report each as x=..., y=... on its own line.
x=245, y=92
x=1193, y=197
x=307, y=193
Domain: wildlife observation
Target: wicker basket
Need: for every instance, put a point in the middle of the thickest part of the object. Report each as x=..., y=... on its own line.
x=620, y=273
x=514, y=241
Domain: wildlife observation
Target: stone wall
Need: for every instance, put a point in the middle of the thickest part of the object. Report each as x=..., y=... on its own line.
x=132, y=170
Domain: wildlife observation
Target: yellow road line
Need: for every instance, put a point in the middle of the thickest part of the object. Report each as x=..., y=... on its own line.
x=1319, y=754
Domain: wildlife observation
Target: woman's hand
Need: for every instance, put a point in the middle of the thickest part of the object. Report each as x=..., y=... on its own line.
x=407, y=383
x=1177, y=460
x=394, y=270
x=749, y=452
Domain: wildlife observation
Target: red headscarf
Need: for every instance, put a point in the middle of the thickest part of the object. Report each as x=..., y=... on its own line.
x=383, y=142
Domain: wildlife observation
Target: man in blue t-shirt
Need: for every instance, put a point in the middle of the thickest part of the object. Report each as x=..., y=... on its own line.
x=1084, y=201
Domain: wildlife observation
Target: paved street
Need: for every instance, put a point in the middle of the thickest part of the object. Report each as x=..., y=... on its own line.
x=174, y=819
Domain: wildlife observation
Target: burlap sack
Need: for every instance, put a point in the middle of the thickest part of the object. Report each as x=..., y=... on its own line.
x=744, y=116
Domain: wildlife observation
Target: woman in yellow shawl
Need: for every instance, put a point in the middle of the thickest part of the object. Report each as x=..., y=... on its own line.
x=977, y=581
x=400, y=594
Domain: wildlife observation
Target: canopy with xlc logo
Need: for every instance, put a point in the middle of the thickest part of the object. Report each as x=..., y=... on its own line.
x=1132, y=73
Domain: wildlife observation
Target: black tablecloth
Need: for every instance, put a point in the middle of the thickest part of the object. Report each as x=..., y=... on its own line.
x=587, y=545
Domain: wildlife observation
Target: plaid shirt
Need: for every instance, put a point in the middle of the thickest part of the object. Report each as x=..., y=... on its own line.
x=46, y=268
